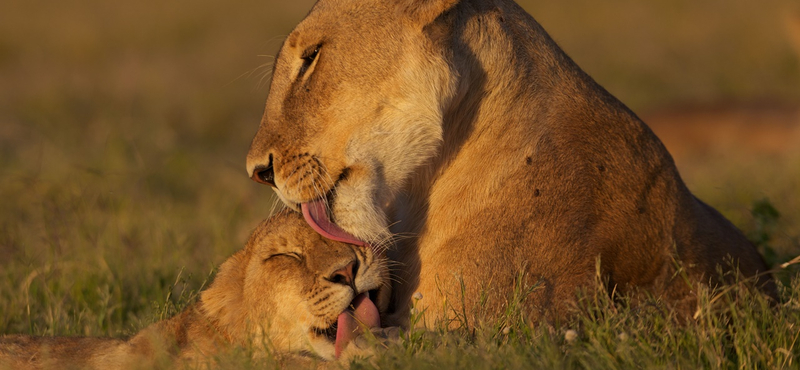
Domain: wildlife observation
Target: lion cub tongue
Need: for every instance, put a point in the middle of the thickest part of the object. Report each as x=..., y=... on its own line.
x=351, y=323
x=316, y=215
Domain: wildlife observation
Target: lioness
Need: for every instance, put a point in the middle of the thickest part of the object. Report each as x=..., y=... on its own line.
x=288, y=287
x=463, y=128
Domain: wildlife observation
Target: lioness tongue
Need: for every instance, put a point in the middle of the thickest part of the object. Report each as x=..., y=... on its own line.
x=316, y=215
x=364, y=313
x=352, y=322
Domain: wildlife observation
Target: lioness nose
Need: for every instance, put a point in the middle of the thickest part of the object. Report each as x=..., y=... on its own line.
x=264, y=174
x=344, y=275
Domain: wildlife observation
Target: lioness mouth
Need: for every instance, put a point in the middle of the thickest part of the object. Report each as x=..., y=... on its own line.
x=360, y=315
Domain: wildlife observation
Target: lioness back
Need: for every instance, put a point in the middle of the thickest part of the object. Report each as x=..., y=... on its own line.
x=288, y=287
x=462, y=128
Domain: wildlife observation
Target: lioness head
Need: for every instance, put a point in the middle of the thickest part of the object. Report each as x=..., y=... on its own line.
x=343, y=78
x=296, y=291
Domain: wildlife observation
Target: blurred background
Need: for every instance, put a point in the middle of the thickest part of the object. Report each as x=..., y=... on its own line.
x=124, y=127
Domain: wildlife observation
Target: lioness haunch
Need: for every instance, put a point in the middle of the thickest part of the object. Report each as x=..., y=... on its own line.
x=288, y=287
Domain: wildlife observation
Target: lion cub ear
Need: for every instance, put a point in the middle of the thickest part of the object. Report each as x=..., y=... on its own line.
x=426, y=11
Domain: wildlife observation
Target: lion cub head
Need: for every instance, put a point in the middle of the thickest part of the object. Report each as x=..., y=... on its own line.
x=297, y=291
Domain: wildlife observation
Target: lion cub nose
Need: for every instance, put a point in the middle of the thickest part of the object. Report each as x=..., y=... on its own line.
x=345, y=276
x=264, y=174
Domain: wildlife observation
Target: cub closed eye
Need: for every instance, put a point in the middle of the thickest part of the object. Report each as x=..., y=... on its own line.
x=292, y=255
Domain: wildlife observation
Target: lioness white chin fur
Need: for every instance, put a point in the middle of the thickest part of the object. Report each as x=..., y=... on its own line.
x=288, y=287
x=461, y=127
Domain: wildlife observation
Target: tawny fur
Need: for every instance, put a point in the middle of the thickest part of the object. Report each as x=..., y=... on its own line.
x=270, y=296
x=461, y=128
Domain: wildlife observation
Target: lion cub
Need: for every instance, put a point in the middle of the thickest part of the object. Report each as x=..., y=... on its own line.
x=288, y=287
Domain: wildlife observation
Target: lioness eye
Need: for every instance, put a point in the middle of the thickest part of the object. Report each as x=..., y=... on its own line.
x=310, y=54
x=308, y=57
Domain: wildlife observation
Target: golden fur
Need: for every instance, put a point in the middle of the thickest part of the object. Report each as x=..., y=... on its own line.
x=278, y=290
x=462, y=128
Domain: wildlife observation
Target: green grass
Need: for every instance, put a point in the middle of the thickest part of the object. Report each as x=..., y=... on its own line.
x=742, y=331
x=124, y=127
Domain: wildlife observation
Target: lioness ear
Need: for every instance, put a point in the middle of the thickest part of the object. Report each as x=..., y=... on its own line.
x=425, y=11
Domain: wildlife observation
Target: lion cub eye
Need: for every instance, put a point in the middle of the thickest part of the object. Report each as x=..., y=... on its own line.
x=293, y=255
